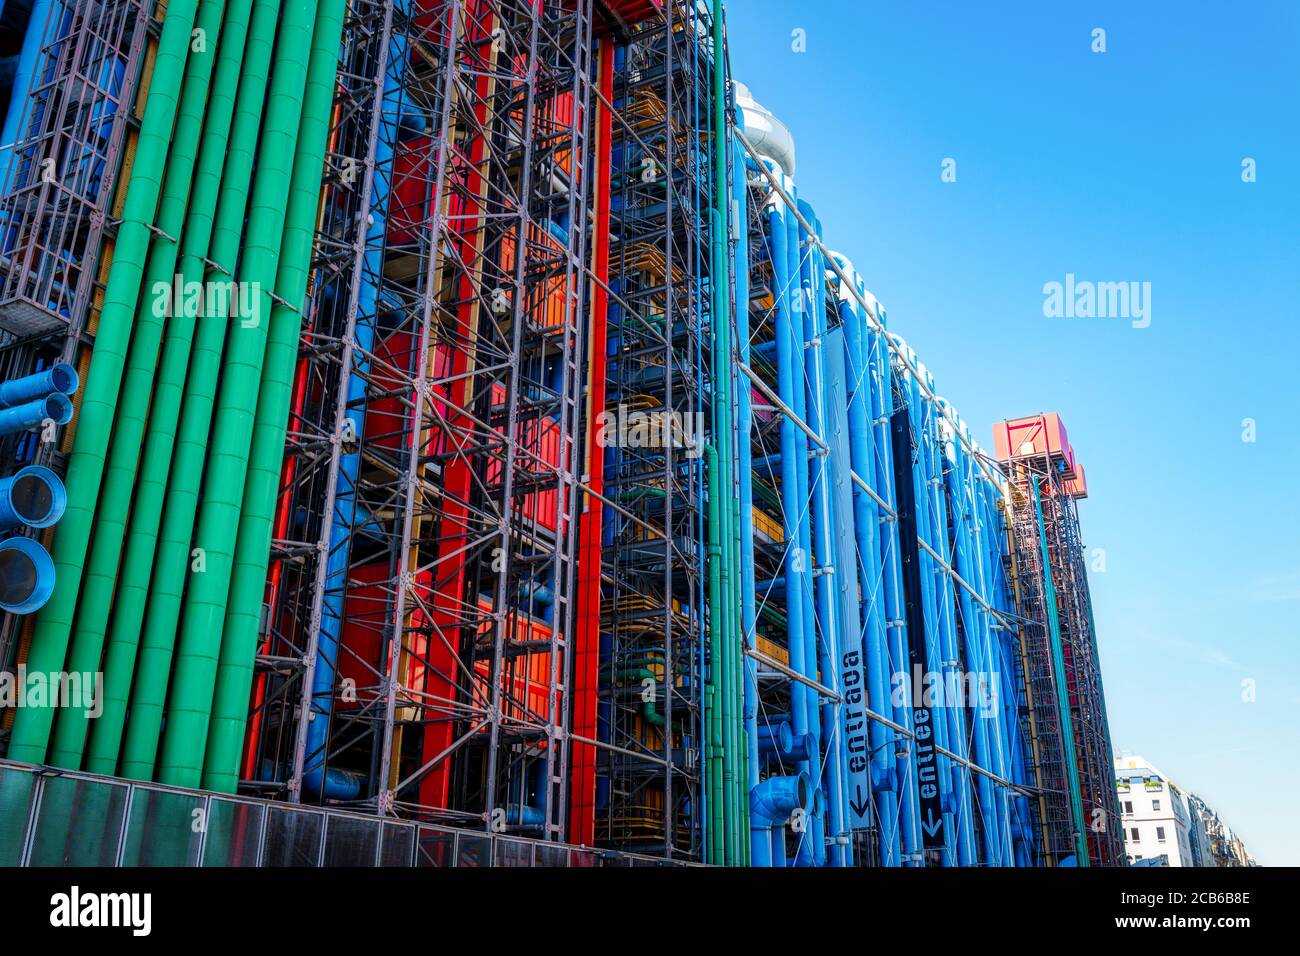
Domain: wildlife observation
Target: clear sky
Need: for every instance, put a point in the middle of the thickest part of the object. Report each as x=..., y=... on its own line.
x=1117, y=166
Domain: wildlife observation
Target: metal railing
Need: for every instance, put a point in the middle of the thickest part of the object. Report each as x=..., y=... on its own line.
x=63, y=818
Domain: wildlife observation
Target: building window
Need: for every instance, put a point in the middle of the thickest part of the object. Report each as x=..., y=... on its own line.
x=1160, y=834
x=1137, y=835
x=1155, y=806
x=1128, y=807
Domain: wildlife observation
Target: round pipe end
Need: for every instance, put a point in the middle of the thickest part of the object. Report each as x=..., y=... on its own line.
x=33, y=496
x=26, y=576
x=64, y=378
x=58, y=407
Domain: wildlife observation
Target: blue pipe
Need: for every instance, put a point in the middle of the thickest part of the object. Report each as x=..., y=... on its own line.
x=60, y=377
x=774, y=739
x=337, y=784
x=812, y=843
x=26, y=576
x=22, y=87
x=957, y=486
x=895, y=622
x=1000, y=734
x=55, y=407
x=780, y=741
x=32, y=496
x=760, y=841
x=793, y=446
x=945, y=588
x=921, y=473
x=867, y=520
x=828, y=647
x=773, y=800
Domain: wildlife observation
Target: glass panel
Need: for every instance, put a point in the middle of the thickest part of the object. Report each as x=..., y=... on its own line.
x=164, y=829
x=549, y=854
x=293, y=838
x=587, y=859
x=435, y=848
x=80, y=823
x=399, y=843
x=513, y=852
x=234, y=831
x=474, y=850
x=16, y=788
x=351, y=841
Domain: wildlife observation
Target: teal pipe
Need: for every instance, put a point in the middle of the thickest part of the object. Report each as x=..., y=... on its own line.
x=101, y=568
x=262, y=484
x=158, y=561
x=49, y=648
x=200, y=637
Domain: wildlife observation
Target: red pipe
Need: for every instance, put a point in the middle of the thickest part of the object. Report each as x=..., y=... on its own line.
x=449, y=600
x=582, y=795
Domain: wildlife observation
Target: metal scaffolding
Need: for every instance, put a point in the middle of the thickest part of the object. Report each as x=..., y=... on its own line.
x=653, y=556
x=459, y=323
x=1038, y=487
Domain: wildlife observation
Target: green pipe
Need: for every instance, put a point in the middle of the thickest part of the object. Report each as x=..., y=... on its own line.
x=261, y=487
x=1062, y=692
x=199, y=638
x=737, y=822
x=137, y=385
x=169, y=567
x=49, y=647
x=712, y=718
x=151, y=480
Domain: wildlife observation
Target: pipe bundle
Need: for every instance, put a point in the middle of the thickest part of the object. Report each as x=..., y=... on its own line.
x=33, y=496
x=162, y=556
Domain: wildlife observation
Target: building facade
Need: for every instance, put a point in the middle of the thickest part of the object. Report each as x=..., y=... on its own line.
x=1159, y=820
x=1154, y=814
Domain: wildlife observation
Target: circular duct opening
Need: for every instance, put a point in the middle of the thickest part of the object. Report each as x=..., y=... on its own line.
x=58, y=407
x=784, y=738
x=803, y=789
x=31, y=498
x=18, y=578
x=64, y=378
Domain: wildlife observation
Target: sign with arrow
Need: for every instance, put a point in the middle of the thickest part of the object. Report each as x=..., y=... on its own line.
x=852, y=666
x=927, y=781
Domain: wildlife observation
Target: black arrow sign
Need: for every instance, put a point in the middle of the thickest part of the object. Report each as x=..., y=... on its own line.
x=859, y=802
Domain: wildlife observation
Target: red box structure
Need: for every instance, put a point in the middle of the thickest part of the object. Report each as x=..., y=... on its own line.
x=1077, y=487
x=1038, y=436
x=1031, y=437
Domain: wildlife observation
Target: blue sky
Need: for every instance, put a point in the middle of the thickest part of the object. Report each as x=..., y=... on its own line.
x=1117, y=166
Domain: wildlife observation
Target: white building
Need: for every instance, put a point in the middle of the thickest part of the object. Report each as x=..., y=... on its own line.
x=1153, y=813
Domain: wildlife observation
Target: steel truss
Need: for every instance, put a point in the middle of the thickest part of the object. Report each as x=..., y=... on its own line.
x=653, y=599
x=1083, y=674
x=1060, y=525
x=464, y=317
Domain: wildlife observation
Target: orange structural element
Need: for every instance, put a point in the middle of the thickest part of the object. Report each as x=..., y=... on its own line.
x=582, y=791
